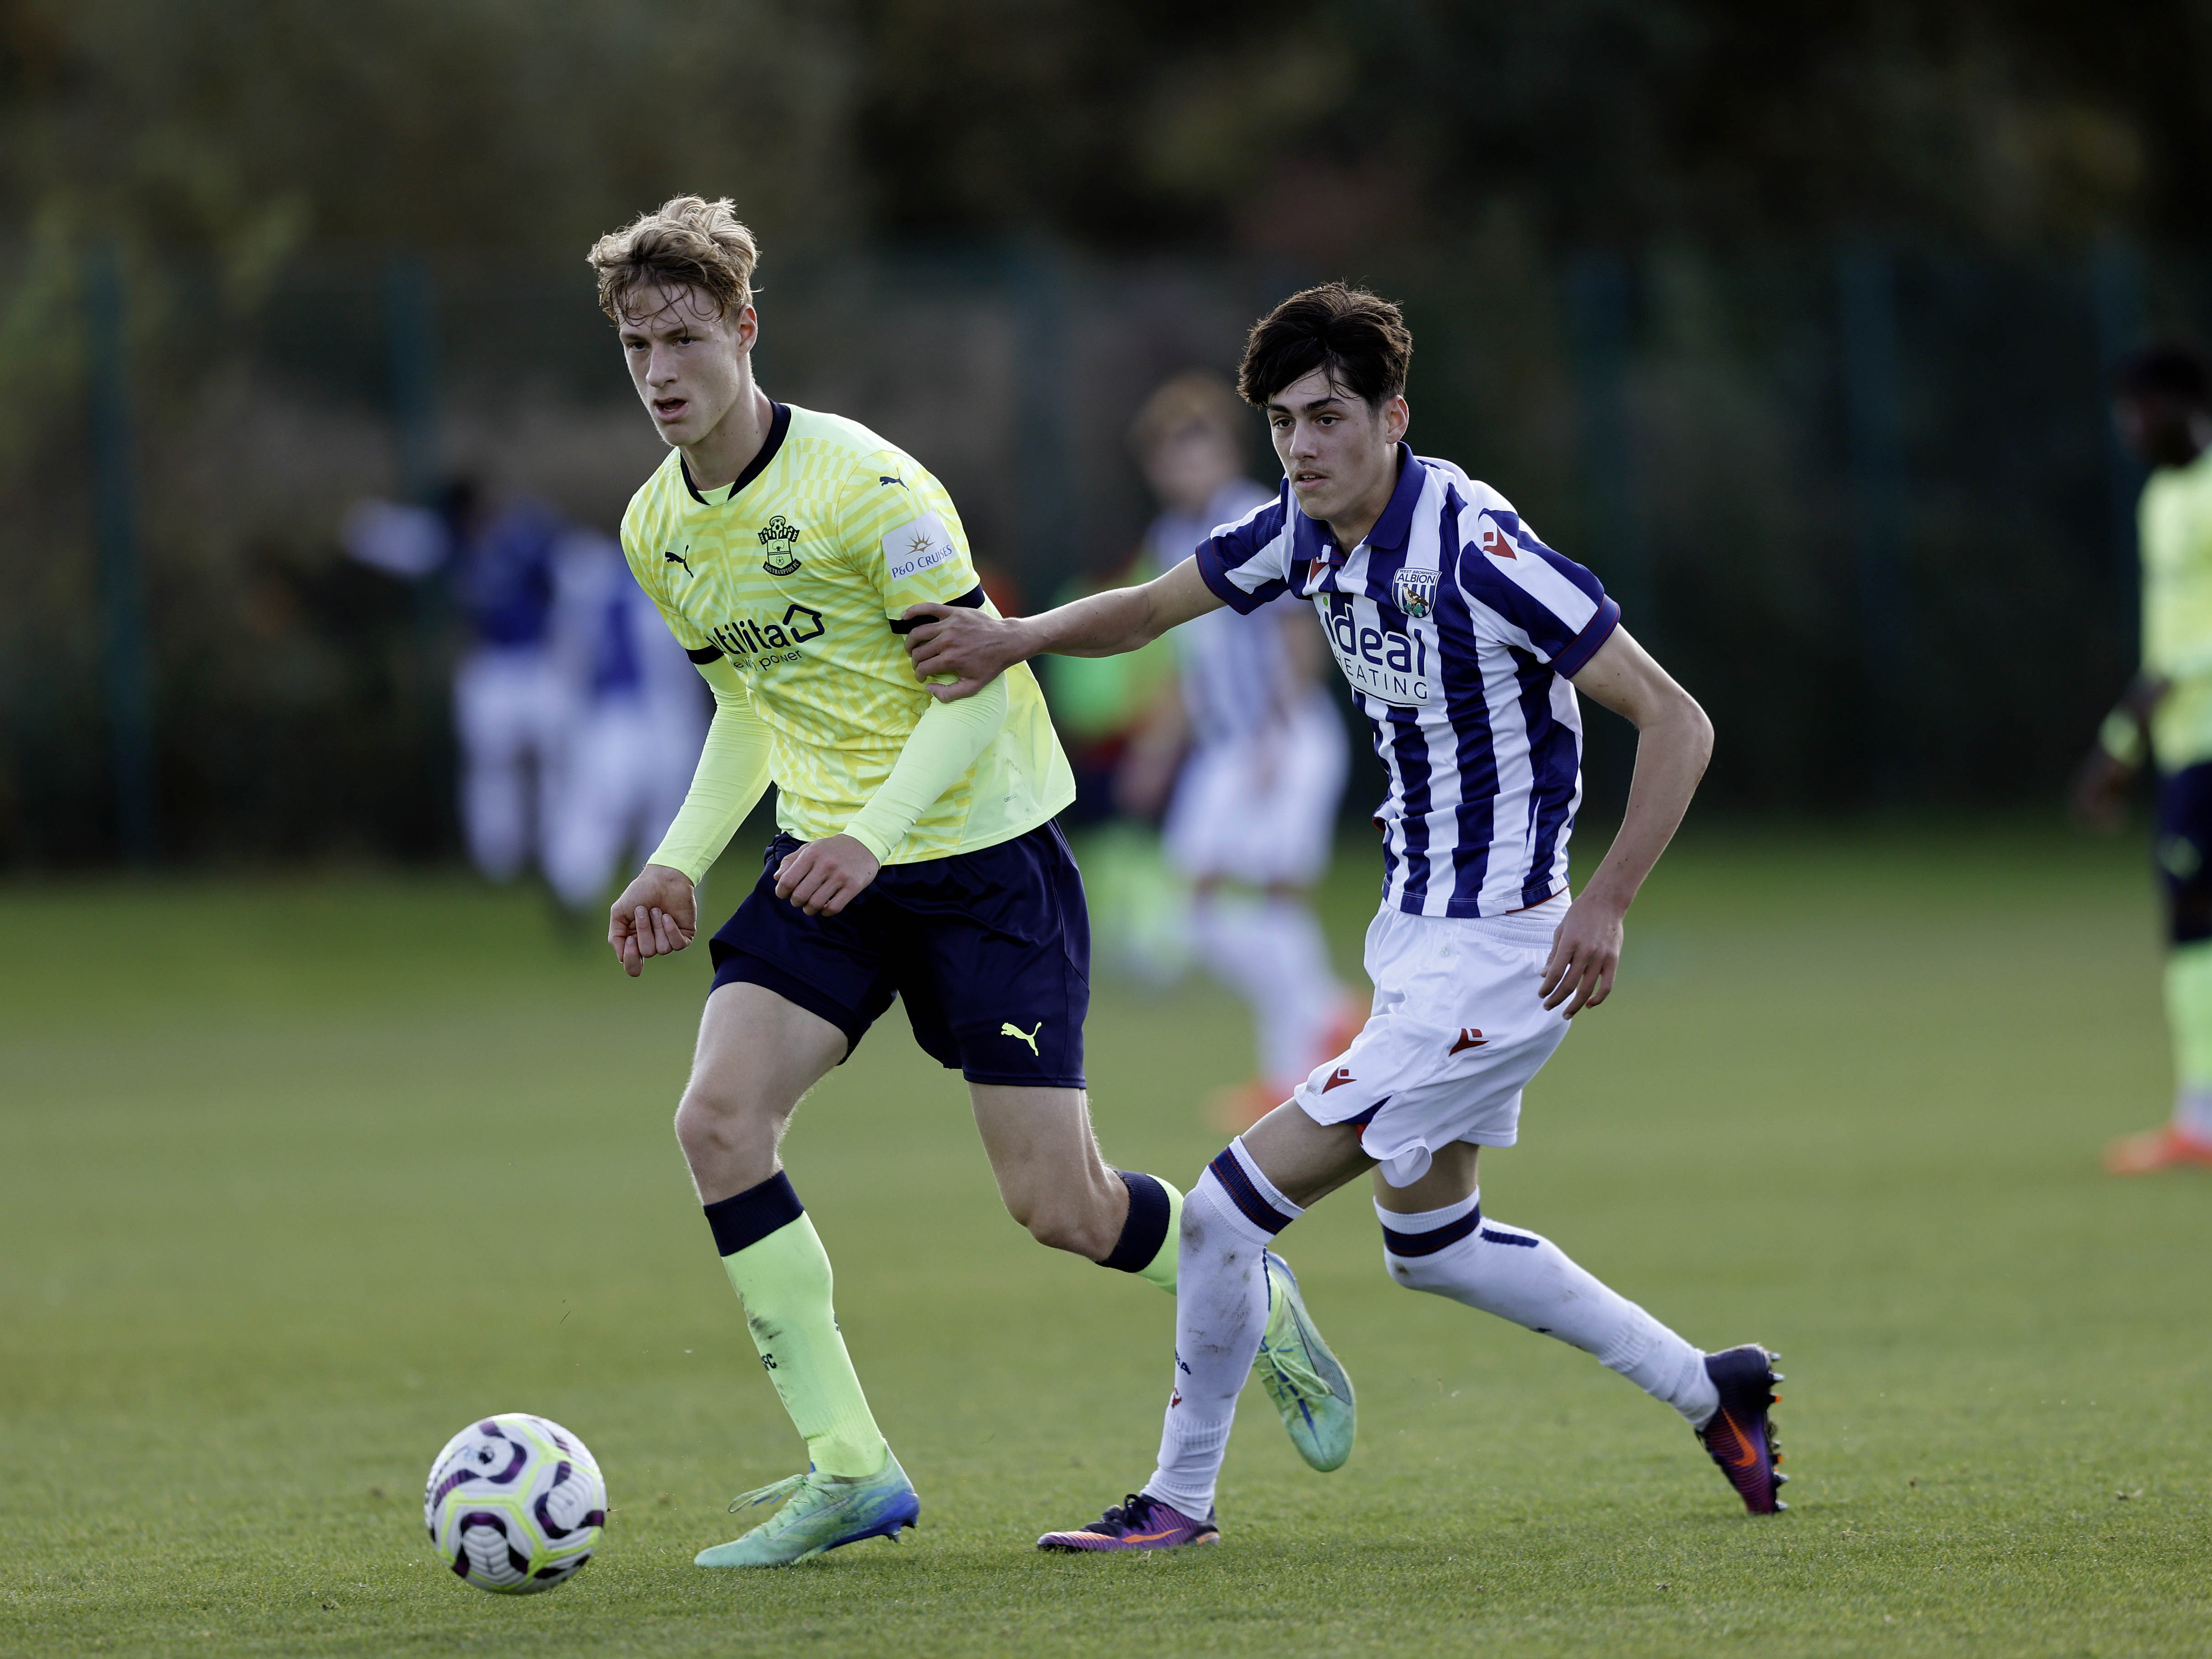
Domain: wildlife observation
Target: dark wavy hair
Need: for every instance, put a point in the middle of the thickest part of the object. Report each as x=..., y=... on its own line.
x=1360, y=339
x=2167, y=370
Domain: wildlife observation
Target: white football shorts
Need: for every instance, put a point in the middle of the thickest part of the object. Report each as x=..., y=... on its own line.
x=1457, y=1032
x=1261, y=809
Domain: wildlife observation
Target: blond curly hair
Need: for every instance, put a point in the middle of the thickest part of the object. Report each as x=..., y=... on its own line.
x=687, y=241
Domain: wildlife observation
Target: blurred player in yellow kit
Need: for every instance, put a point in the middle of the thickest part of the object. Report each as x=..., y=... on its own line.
x=2163, y=403
x=918, y=860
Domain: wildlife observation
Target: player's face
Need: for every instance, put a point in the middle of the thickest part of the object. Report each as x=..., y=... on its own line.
x=1339, y=455
x=2162, y=431
x=1188, y=468
x=690, y=364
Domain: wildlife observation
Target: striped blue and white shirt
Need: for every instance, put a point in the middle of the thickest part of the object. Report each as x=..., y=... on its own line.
x=1457, y=630
x=1236, y=676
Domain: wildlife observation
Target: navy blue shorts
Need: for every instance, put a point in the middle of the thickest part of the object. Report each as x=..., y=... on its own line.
x=2184, y=852
x=991, y=952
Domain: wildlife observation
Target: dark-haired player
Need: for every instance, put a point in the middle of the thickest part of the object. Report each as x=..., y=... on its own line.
x=917, y=859
x=2163, y=404
x=1465, y=640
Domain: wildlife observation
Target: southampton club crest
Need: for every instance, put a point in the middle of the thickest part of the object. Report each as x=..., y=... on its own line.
x=776, y=538
x=1414, y=591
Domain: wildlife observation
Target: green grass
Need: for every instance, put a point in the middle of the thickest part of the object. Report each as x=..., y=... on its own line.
x=298, y=1176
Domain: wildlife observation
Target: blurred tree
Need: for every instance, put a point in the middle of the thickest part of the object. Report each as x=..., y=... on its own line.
x=1306, y=126
x=1327, y=126
x=254, y=126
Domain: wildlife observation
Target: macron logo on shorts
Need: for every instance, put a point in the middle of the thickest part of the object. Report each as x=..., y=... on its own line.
x=1338, y=1079
x=1470, y=1036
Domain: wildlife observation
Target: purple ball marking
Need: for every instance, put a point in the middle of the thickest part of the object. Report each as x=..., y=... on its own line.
x=553, y=1529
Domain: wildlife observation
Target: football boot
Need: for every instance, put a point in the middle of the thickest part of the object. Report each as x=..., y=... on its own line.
x=820, y=1512
x=2166, y=1147
x=1739, y=1436
x=1311, y=1393
x=1137, y=1523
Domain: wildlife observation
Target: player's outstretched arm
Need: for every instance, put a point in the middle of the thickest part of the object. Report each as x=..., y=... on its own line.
x=1673, y=742
x=657, y=915
x=2099, y=797
x=976, y=649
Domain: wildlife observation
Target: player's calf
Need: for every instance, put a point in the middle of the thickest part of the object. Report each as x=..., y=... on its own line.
x=1457, y=1252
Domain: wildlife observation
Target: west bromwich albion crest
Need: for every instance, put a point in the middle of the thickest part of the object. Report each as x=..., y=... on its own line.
x=776, y=536
x=1414, y=591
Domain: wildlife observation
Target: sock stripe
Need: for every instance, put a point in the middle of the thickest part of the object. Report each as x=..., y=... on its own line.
x=1244, y=1195
x=1491, y=1235
x=745, y=1219
x=1146, y=1228
x=1438, y=1238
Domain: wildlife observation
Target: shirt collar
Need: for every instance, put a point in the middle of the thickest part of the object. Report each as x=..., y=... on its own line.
x=1310, y=538
x=1390, y=530
x=779, y=425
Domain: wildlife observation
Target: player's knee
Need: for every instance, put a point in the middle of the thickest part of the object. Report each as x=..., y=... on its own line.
x=708, y=1119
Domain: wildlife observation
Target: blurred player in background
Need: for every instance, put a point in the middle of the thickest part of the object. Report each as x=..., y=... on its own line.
x=512, y=706
x=1466, y=640
x=1099, y=706
x=638, y=716
x=918, y=859
x=2163, y=404
x=1263, y=758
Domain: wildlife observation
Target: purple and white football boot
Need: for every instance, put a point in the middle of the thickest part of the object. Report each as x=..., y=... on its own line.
x=1137, y=1523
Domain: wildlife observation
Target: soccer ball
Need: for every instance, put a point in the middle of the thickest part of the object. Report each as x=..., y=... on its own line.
x=514, y=1503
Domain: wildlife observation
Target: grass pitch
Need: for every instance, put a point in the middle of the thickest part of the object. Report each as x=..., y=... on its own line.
x=297, y=1177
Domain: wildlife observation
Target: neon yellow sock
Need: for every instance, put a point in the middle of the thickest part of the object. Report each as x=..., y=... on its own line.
x=784, y=1282
x=1161, y=1269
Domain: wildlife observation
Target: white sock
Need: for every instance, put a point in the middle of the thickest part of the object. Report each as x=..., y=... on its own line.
x=1274, y=955
x=2192, y=1112
x=1528, y=1280
x=1294, y=1018
x=1229, y=1220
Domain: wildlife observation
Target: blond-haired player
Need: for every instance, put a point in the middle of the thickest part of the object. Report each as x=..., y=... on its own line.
x=917, y=858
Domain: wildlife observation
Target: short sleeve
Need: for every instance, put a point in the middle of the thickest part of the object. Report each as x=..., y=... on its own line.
x=651, y=564
x=1522, y=591
x=1248, y=563
x=897, y=525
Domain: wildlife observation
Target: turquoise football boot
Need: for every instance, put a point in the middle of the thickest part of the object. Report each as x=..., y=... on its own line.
x=821, y=1512
x=1302, y=1377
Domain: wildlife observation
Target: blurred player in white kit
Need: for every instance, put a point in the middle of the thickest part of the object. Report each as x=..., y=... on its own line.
x=1257, y=798
x=511, y=708
x=639, y=720
x=580, y=718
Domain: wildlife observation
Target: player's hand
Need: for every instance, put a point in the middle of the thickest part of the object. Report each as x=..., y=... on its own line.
x=971, y=646
x=1585, y=955
x=657, y=915
x=2099, y=799
x=823, y=877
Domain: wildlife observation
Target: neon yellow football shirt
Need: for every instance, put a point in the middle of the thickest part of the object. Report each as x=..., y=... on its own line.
x=2175, y=524
x=793, y=577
